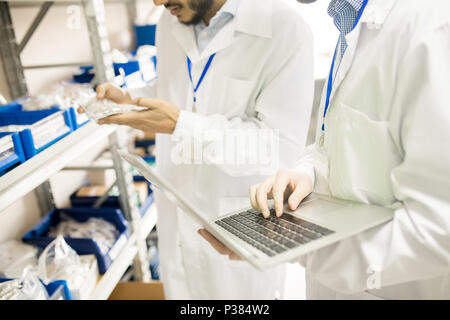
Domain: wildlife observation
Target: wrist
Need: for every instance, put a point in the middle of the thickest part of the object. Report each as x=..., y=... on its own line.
x=174, y=115
x=131, y=100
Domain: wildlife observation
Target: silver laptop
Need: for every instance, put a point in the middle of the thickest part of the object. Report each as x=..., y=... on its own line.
x=318, y=222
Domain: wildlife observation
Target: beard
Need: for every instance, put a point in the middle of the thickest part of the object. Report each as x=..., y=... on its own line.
x=200, y=8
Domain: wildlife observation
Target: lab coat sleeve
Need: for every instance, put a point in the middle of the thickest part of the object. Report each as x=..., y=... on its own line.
x=306, y=163
x=278, y=128
x=415, y=245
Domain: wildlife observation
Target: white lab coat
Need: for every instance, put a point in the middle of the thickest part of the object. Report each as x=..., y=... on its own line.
x=387, y=142
x=261, y=77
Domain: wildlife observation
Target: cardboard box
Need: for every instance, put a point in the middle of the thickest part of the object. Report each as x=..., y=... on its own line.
x=92, y=191
x=138, y=291
x=141, y=152
x=149, y=135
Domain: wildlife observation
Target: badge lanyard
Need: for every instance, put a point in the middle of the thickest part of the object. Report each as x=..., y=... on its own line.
x=330, y=77
x=205, y=70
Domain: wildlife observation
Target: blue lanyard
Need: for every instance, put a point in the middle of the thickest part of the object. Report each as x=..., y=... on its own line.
x=330, y=77
x=205, y=70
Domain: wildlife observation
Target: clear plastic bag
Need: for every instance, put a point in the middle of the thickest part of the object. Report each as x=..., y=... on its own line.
x=64, y=94
x=16, y=259
x=59, y=261
x=101, y=231
x=27, y=288
x=101, y=108
x=33, y=289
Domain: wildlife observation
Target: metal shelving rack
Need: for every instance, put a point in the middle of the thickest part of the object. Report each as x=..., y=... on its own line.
x=34, y=174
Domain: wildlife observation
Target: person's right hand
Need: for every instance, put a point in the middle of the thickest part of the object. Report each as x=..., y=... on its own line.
x=292, y=186
x=112, y=92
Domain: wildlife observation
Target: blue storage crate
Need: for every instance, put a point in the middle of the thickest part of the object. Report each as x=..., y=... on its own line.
x=85, y=77
x=144, y=143
x=35, y=139
x=11, y=151
x=51, y=287
x=145, y=34
x=13, y=106
x=87, y=73
x=38, y=235
x=129, y=67
x=112, y=201
x=149, y=159
x=78, y=120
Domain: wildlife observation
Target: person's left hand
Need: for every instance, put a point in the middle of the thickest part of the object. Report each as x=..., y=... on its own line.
x=161, y=116
x=219, y=246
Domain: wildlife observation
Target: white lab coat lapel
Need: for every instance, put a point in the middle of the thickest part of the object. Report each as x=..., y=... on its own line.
x=252, y=17
x=185, y=37
x=223, y=39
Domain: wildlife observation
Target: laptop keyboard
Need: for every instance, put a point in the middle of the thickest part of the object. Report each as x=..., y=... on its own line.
x=273, y=235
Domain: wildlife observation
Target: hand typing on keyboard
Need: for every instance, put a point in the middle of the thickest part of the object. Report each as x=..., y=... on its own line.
x=276, y=235
x=290, y=186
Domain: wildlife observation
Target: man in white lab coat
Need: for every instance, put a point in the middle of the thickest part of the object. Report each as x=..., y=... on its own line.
x=384, y=139
x=232, y=76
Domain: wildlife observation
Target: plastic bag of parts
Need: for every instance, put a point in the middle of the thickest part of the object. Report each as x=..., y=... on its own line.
x=103, y=232
x=59, y=261
x=64, y=94
x=17, y=259
x=27, y=288
x=101, y=108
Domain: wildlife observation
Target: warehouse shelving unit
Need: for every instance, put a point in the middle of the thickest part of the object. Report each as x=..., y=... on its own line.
x=34, y=174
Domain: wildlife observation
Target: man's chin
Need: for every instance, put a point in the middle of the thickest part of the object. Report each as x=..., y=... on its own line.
x=189, y=22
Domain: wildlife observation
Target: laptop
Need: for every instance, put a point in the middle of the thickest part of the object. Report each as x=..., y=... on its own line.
x=318, y=222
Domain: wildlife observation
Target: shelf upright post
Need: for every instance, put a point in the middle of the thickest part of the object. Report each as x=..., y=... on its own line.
x=104, y=72
x=128, y=201
x=9, y=53
x=132, y=16
x=12, y=65
x=45, y=198
x=98, y=36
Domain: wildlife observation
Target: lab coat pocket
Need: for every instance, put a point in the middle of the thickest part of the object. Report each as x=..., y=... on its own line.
x=238, y=97
x=361, y=155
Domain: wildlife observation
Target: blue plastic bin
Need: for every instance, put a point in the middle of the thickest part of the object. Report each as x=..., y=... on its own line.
x=38, y=235
x=11, y=150
x=34, y=140
x=130, y=67
x=52, y=287
x=144, y=143
x=145, y=34
x=149, y=159
x=87, y=74
x=83, y=77
x=112, y=201
x=13, y=106
x=78, y=120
